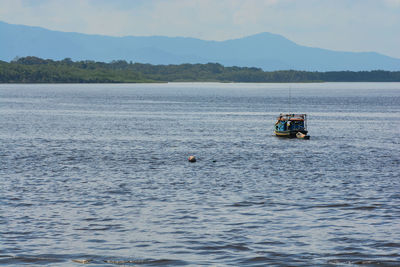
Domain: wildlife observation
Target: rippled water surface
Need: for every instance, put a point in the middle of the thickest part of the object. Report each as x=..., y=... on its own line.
x=98, y=174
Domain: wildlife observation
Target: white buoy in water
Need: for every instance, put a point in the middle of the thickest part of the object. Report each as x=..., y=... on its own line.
x=302, y=136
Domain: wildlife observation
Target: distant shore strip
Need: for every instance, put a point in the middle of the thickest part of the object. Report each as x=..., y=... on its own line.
x=38, y=70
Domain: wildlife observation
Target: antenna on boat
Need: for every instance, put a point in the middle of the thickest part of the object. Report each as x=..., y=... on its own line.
x=290, y=98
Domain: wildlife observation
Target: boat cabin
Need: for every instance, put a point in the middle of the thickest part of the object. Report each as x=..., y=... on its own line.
x=289, y=125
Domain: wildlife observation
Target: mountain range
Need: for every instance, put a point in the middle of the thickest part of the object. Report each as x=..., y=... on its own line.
x=265, y=50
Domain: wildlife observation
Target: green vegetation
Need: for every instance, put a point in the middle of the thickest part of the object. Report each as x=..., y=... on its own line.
x=37, y=70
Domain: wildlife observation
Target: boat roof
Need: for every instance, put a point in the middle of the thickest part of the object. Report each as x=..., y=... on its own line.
x=292, y=117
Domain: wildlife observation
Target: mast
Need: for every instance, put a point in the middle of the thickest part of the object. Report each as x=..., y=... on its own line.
x=290, y=99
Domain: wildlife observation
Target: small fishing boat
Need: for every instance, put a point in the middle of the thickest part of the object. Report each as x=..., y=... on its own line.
x=292, y=125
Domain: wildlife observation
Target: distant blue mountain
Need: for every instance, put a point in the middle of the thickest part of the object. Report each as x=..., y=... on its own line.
x=265, y=50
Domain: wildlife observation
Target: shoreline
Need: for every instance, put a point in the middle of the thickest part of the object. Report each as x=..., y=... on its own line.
x=198, y=82
x=38, y=70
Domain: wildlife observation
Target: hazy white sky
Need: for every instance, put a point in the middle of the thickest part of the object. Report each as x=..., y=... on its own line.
x=349, y=25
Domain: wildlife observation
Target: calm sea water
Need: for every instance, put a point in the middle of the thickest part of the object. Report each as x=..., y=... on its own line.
x=100, y=173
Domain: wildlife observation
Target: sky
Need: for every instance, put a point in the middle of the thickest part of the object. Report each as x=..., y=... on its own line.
x=343, y=25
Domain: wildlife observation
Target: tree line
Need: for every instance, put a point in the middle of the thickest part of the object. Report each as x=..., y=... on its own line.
x=38, y=70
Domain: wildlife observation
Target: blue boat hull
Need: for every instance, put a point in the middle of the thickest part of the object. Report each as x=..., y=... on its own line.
x=290, y=134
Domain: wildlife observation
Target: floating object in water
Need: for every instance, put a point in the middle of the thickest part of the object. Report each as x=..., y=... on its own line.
x=302, y=136
x=192, y=159
x=82, y=261
x=289, y=125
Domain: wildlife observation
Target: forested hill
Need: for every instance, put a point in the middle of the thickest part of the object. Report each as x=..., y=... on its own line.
x=37, y=70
